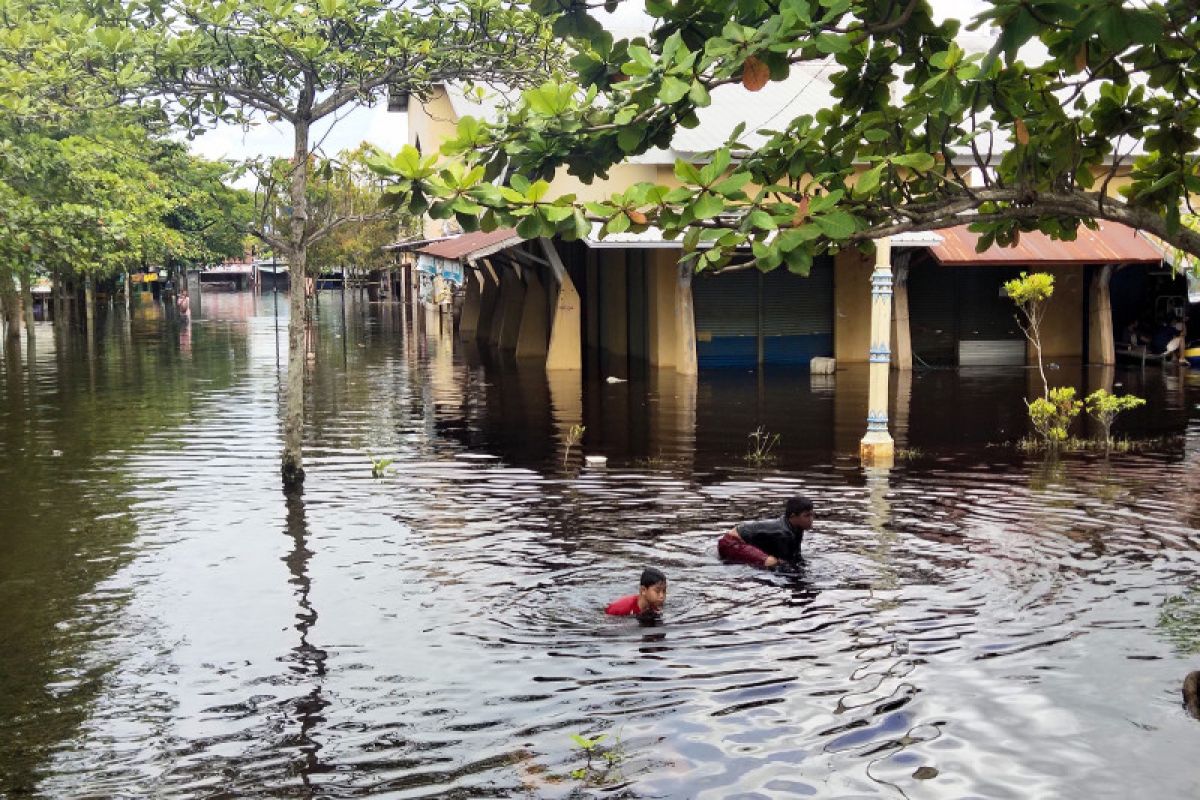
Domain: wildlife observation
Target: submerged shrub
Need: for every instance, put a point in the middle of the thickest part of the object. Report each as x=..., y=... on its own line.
x=1104, y=407
x=1052, y=415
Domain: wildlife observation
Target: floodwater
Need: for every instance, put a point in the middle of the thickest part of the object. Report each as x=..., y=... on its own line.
x=977, y=623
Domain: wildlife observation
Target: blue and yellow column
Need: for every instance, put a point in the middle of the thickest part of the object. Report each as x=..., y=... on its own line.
x=877, y=448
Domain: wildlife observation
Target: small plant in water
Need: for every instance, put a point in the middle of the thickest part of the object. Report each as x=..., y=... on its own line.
x=380, y=466
x=601, y=764
x=574, y=437
x=760, y=446
x=1104, y=408
x=1052, y=415
x=1179, y=621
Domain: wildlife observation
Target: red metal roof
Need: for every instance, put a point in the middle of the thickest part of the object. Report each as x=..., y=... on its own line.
x=1111, y=244
x=467, y=244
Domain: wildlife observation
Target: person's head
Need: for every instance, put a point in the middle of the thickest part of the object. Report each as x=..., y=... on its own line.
x=799, y=512
x=653, y=588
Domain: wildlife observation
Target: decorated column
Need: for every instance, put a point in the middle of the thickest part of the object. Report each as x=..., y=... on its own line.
x=876, y=448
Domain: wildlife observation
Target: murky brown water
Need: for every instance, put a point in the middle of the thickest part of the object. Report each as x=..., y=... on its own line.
x=975, y=624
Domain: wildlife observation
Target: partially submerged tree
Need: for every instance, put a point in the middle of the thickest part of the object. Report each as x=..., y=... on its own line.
x=303, y=65
x=922, y=134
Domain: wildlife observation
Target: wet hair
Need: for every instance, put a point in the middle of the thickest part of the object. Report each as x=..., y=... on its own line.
x=798, y=505
x=652, y=577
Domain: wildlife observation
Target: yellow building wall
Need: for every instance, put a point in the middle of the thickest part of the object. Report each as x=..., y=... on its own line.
x=852, y=307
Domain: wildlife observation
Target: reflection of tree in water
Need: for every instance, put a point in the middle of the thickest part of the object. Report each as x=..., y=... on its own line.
x=70, y=436
x=308, y=659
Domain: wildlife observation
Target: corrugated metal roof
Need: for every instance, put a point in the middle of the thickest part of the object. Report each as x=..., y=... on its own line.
x=652, y=237
x=1111, y=244
x=473, y=245
x=806, y=90
x=412, y=244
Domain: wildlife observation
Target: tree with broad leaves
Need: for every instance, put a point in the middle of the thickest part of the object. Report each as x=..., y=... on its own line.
x=304, y=64
x=921, y=135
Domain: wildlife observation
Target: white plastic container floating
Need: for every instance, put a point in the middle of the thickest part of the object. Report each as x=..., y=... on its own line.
x=596, y=461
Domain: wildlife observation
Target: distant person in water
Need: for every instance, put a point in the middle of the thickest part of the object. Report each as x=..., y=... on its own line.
x=771, y=541
x=648, y=601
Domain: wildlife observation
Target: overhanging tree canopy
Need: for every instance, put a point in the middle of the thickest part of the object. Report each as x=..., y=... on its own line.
x=923, y=135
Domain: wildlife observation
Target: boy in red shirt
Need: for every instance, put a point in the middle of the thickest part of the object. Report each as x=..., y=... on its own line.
x=649, y=600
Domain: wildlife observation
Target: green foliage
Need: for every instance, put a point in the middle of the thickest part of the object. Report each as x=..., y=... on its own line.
x=1052, y=415
x=1030, y=290
x=1104, y=407
x=601, y=765
x=380, y=467
x=760, y=445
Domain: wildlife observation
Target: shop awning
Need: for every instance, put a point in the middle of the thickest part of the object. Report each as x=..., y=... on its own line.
x=472, y=246
x=1112, y=243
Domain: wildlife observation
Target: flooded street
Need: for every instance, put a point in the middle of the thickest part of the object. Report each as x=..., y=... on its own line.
x=977, y=623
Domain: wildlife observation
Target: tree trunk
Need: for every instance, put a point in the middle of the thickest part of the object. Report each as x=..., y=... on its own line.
x=27, y=302
x=89, y=304
x=12, y=306
x=293, y=417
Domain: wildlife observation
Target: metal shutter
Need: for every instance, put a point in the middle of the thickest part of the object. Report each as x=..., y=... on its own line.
x=726, y=308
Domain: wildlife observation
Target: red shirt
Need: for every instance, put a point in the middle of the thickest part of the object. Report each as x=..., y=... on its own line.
x=625, y=607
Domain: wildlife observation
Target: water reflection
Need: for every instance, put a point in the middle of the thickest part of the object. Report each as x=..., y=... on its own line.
x=973, y=623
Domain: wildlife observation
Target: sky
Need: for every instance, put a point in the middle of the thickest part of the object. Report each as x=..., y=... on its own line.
x=389, y=130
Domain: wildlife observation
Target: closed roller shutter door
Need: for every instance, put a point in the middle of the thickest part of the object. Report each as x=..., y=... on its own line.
x=798, y=314
x=726, y=308
x=933, y=314
x=986, y=314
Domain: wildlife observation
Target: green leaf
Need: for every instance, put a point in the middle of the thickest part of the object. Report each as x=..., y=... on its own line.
x=708, y=205
x=520, y=183
x=825, y=202
x=686, y=172
x=537, y=191
x=868, y=182
x=761, y=220
x=733, y=184
x=699, y=95
x=672, y=90
x=618, y=224
x=629, y=139
x=838, y=225
x=922, y=162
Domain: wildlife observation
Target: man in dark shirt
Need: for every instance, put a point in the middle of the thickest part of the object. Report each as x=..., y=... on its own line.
x=766, y=543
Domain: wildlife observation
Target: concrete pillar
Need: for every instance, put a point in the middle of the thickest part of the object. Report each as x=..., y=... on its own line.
x=512, y=299
x=685, y=322
x=565, y=349
x=1063, y=324
x=1101, y=345
x=532, y=334
x=876, y=448
x=489, y=301
x=662, y=285
x=902, y=358
x=468, y=323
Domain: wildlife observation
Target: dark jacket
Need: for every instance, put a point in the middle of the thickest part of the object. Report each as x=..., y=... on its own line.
x=775, y=537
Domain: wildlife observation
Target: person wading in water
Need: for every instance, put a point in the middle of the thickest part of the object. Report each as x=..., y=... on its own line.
x=772, y=541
